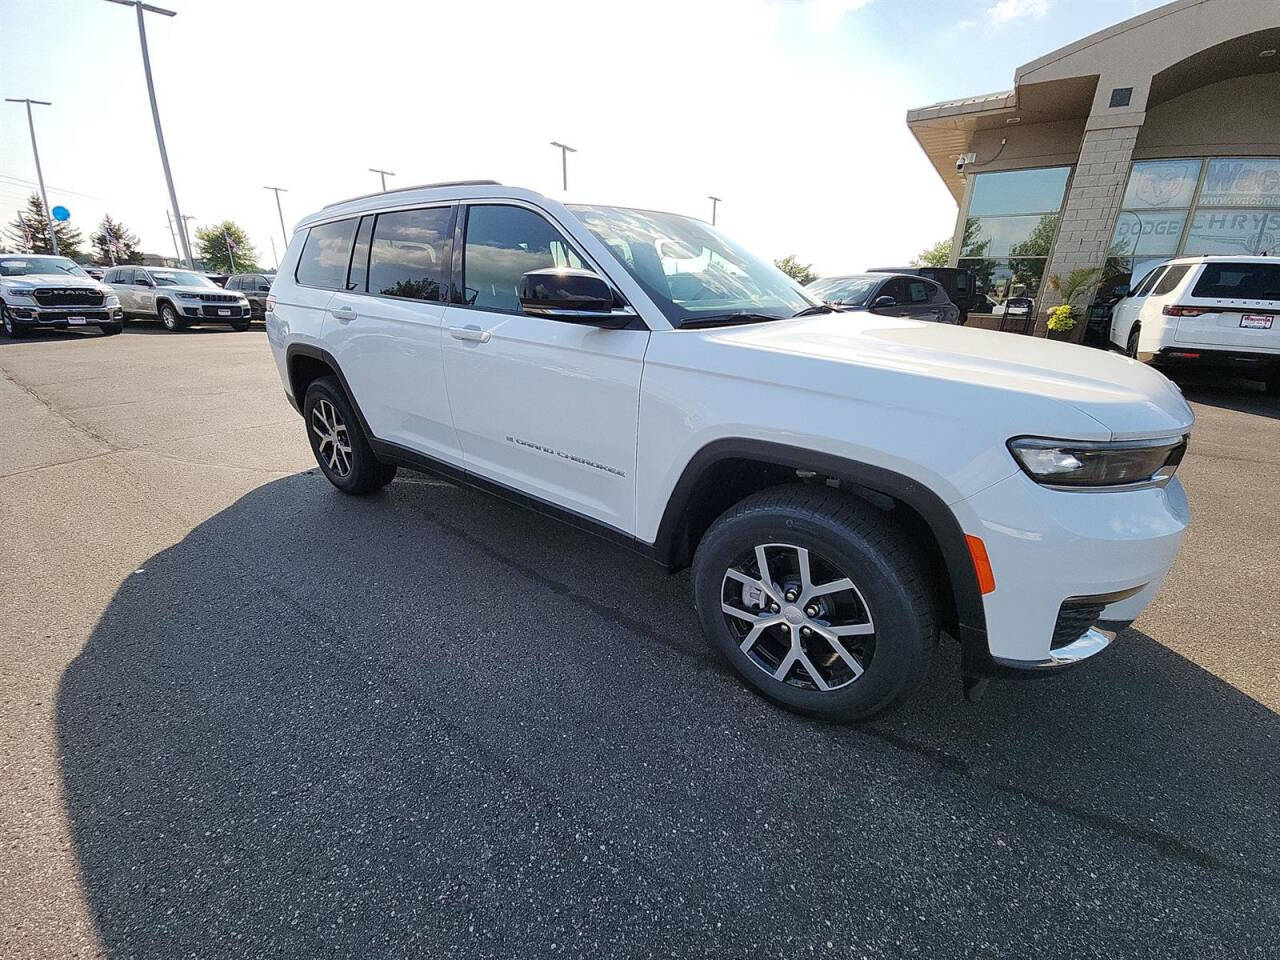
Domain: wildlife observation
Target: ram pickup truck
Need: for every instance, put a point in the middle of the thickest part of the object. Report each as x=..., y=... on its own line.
x=847, y=487
x=41, y=292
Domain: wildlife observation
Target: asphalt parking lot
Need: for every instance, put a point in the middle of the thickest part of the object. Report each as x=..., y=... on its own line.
x=243, y=715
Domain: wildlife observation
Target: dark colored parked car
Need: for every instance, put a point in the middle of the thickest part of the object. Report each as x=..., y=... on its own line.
x=255, y=287
x=895, y=296
x=961, y=285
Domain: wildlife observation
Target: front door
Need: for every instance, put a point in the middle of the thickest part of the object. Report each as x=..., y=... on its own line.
x=545, y=406
x=144, y=293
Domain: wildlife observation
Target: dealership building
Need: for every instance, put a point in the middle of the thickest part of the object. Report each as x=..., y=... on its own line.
x=1153, y=138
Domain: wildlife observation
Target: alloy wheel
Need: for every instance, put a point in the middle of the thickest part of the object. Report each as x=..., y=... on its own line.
x=797, y=617
x=333, y=444
x=169, y=318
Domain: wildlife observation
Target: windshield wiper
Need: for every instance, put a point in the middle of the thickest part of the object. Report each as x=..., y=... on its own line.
x=727, y=320
x=816, y=309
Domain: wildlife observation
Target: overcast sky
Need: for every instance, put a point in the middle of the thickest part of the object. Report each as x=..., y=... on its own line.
x=792, y=111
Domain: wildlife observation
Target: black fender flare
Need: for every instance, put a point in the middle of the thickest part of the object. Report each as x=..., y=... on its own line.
x=971, y=623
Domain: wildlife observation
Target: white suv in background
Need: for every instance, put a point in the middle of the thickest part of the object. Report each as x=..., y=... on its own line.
x=1205, y=311
x=846, y=486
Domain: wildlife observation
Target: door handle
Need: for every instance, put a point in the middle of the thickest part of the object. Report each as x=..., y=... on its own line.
x=344, y=314
x=472, y=333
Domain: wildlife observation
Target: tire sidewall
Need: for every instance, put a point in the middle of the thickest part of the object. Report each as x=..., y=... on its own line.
x=365, y=468
x=901, y=653
x=1131, y=348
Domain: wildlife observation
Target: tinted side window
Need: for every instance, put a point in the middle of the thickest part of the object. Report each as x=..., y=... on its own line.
x=323, y=262
x=917, y=291
x=409, y=256
x=360, y=256
x=896, y=288
x=1239, y=281
x=1172, y=277
x=1148, y=282
x=233, y=284
x=503, y=243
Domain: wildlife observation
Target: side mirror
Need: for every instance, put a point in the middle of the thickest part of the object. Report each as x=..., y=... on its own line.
x=144, y=282
x=576, y=296
x=880, y=303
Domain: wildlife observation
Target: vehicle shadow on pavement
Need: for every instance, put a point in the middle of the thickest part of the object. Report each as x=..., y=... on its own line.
x=1216, y=389
x=426, y=722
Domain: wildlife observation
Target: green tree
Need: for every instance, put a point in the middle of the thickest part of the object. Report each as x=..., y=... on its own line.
x=29, y=231
x=939, y=255
x=797, y=271
x=212, y=241
x=114, y=243
x=1027, y=259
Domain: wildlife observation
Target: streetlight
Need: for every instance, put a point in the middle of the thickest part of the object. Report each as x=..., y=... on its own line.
x=383, y=174
x=48, y=216
x=277, y=191
x=140, y=7
x=565, y=150
x=715, y=201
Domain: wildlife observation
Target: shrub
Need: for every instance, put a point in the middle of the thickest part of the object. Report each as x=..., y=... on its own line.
x=1062, y=318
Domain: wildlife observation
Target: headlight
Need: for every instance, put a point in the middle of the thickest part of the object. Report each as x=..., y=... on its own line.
x=26, y=293
x=1119, y=463
x=111, y=301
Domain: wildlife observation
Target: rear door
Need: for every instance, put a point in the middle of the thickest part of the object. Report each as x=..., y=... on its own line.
x=1232, y=305
x=920, y=303
x=545, y=406
x=144, y=292
x=387, y=325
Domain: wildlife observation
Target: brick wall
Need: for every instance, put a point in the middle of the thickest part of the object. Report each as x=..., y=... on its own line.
x=1089, y=216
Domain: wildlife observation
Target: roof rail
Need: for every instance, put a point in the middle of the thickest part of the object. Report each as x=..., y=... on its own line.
x=419, y=186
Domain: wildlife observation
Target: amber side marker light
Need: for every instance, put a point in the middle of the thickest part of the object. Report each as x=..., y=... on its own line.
x=981, y=563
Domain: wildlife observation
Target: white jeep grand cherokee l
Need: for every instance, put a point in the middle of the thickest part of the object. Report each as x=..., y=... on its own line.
x=844, y=485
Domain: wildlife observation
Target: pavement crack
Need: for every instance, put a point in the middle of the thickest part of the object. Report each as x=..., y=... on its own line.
x=78, y=427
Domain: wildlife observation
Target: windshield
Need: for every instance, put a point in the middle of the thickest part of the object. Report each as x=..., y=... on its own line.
x=852, y=291
x=181, y=278
x=22, y=266
x=689, y=269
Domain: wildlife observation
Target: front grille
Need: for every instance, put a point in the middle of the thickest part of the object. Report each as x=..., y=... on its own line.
x=90, y=316
x=219, y=297
x=69, y=297
x=212, y=311
x=1075, y=617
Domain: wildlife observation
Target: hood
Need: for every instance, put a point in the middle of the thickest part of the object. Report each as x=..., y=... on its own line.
x=51, y=280
x=1126, y=399
x=198, y=291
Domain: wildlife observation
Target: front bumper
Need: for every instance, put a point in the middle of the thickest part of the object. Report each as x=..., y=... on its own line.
x=1071, y=568
x=215, y=312
x=63, y=318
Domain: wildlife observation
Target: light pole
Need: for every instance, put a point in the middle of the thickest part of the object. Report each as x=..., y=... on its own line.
x=44, y=197
x=565, y=150
x=140, y=7
x=277, y=191
x=383, y=174
x=715, y=201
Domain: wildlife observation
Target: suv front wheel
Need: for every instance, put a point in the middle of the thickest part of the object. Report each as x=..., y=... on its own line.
x=817, y=600
x=338, y=442
x=169, y=317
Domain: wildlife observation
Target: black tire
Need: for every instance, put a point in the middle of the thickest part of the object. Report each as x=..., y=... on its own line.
x=364, y=473
x=170, y=318
x=1273, y=383
x=12, y=330
x=1131, y=349
x=240, y=327
x=110, y=329
x=844, y=538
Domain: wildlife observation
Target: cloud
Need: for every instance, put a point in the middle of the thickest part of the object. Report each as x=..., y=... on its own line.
x=827, y=13
x=1007, y=11
x=966, y=24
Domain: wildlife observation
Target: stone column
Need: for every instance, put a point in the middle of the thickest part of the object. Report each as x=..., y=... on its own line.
x=1089, y=217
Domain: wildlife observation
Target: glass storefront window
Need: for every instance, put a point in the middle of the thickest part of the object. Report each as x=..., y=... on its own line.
x=1233, y=232
x=1242, y=182
x=1009, y=236
x=1147, y=232
x=1015, y=192
x=1161, y=184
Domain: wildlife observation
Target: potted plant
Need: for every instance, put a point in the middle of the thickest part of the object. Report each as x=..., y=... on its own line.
x=1062, y=319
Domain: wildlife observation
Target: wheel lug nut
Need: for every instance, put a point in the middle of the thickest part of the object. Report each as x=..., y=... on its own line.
x=785, y=628
x=811, y=611
x=774, y=608
x=791, y=596
x=805, y=631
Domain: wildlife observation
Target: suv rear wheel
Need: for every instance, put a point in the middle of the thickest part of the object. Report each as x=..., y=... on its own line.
x=339, y=444
x=817, y=600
